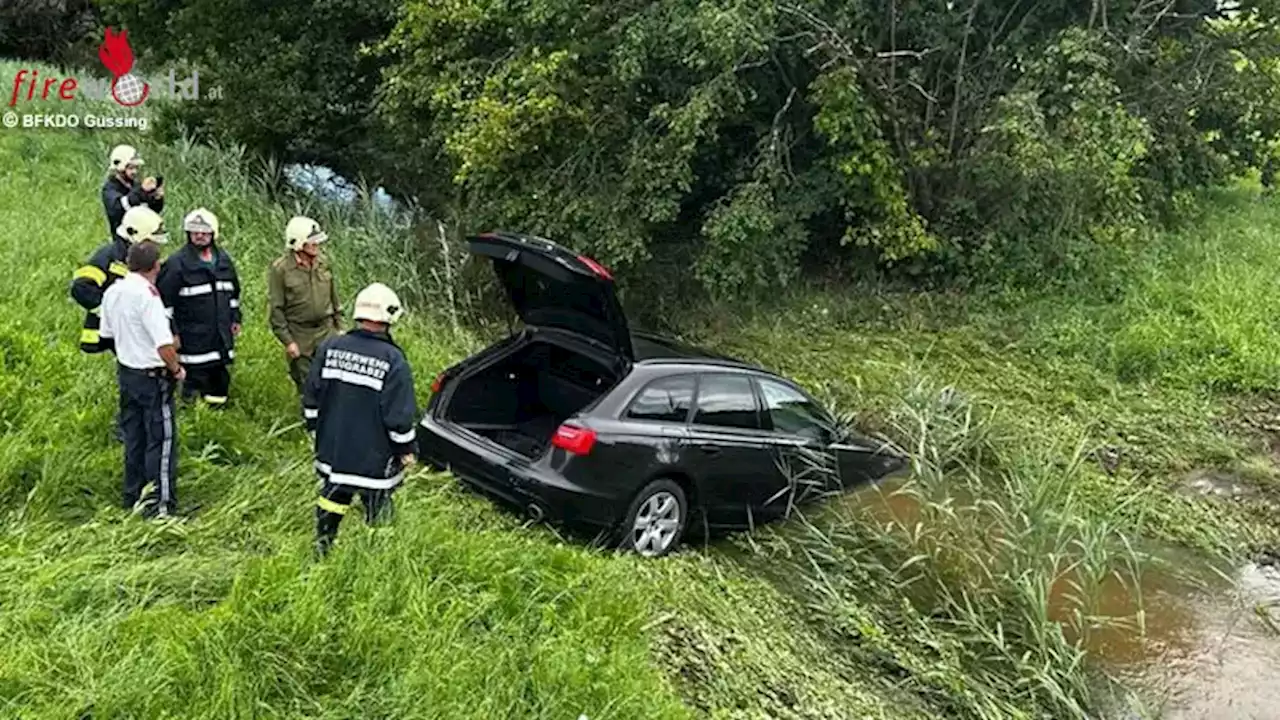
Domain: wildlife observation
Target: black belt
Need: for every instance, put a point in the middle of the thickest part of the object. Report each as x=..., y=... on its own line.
x=160, y=372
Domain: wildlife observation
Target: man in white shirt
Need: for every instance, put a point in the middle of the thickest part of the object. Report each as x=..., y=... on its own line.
x=133, y=317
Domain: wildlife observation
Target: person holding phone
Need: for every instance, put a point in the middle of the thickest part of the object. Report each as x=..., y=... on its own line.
x=122, y=189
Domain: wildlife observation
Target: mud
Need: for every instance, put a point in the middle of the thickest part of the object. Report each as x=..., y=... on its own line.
x=1218, y=484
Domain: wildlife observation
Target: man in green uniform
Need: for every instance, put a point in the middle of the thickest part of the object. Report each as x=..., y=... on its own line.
x=303, y=297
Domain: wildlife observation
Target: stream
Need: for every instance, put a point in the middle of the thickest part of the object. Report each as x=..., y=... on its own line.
x=1197, y=643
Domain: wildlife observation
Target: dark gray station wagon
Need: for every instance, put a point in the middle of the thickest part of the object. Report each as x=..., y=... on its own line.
x=578, y=419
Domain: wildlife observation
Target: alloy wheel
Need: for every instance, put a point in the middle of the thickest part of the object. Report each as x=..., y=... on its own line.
x=656, y=524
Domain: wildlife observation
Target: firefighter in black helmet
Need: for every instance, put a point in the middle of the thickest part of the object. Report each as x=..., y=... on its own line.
x=201, y=293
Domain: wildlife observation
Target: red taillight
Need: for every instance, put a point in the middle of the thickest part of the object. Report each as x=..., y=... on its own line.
x=574, y=439
x=596, y=267
x=437, y=383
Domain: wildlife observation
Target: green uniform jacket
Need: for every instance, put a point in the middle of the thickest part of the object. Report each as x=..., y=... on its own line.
x=304, y=305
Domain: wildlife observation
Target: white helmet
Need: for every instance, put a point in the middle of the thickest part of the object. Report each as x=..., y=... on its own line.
x=302, y=230
x=378, y=303
x=142, y=223
x=201, y=220
x=123, y=156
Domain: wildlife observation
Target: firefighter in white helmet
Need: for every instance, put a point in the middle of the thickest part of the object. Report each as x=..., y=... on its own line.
x=302, y=297
x=122, y=189
x=359, y=402
x=201, y=292
x=107, y=265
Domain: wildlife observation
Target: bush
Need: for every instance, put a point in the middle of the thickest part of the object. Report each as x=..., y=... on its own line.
x=738, y=141
x=49, y=30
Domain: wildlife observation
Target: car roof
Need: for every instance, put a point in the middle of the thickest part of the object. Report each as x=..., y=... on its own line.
x=656, y=351
x=651, y=348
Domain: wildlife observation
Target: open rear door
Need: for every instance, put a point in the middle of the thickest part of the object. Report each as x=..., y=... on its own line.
x=550, y=286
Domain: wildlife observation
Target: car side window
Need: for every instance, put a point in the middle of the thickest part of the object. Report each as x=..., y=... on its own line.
x=793, y=413
x=726, y=401
x=664, y=400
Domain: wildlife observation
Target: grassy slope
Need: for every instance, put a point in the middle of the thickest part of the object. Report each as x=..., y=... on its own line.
x=457, y=611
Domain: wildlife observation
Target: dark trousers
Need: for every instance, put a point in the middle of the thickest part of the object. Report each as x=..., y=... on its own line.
x=334, y=502
x=150, y=437
x=211, y=382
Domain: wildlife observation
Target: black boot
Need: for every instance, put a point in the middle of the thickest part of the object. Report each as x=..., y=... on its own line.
x=326, y=530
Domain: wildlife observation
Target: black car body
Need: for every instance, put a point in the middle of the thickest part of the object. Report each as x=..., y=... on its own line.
x=578, y=418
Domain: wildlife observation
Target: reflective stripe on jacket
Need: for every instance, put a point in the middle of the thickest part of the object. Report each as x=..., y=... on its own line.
x=203, y=302
x=89, y=283
x=359, y=400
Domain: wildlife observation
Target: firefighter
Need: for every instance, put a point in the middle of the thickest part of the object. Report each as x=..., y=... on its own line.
x=201, y=293
x=148, y=368
x=105, y=266
x=302, y=297
x=122, y=190
x=359, y=403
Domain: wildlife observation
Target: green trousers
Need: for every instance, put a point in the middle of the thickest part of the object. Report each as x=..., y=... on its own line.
x=298, y=369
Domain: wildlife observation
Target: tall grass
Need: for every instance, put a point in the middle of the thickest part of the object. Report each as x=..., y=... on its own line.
x=957, y=573
x=455, y=611
x=458, y=610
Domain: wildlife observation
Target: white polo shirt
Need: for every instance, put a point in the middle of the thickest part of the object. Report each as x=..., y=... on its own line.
x=133, y=316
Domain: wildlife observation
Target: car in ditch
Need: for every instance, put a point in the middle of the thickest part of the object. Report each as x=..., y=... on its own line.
x=577, y=419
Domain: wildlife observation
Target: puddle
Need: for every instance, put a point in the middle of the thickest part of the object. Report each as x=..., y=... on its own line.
x=1214, y=654
x=1197, y=645
x=1216, y=483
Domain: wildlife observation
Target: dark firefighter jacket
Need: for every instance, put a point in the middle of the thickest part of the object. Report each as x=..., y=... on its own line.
x=117, y=198
x=203, y=302
x=105, y=266
x=359, y=401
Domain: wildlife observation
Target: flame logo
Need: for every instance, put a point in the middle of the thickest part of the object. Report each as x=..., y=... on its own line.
x=117, y=57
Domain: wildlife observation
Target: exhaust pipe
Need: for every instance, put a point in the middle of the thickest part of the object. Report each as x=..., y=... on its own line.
x=535, y=512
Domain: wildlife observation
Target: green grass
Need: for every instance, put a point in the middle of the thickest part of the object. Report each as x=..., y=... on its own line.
x=459, y=610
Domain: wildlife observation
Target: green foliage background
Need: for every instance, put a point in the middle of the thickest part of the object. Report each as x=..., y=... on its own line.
x=459, y=610
x=728, y=147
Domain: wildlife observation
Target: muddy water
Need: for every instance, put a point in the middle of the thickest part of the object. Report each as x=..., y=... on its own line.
x=1198, y=644
x=1210, y=652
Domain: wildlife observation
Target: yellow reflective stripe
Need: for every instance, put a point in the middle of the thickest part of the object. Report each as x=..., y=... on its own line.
x=119, y=268
x=90, y=337
x=215, y=400
x=333, y=507
x=90, y=272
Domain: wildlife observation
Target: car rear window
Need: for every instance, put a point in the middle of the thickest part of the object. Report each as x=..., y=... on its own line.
x=665, y=400
x=727, y=401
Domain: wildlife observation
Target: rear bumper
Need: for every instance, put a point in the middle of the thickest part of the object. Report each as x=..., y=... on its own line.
x=517, y=480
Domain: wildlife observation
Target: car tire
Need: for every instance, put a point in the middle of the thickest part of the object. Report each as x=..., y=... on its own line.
x=655, y=521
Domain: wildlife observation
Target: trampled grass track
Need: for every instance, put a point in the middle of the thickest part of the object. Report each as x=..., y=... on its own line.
x=458, y=611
